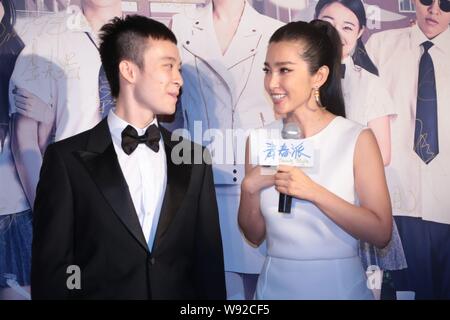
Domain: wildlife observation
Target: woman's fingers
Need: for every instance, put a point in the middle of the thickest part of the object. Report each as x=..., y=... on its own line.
x=284, y=168
x=282, y=190
x=20, y=100
x=282, y=182
x=282, y=176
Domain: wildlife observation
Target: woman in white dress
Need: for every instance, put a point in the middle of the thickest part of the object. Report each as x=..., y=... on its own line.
x=313, y=251
x=367, y=101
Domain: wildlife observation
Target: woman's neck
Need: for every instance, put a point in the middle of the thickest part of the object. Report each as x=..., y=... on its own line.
x=99, y=16
x=311, y=118
x=227, y=10
x=226, y=18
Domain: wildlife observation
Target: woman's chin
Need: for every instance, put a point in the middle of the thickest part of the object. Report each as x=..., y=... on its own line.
x=279, y=116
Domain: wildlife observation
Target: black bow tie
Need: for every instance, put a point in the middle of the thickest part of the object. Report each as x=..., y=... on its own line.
x=343, y=67
x=131, y=139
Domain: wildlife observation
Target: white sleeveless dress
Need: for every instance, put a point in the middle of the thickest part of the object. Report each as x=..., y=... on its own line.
x=308, y=255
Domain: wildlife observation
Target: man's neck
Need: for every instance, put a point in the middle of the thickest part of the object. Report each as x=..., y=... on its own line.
x=133, y=114
x=98, y=16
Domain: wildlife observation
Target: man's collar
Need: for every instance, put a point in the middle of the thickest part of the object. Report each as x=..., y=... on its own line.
x=117, y=125
x=441, y=42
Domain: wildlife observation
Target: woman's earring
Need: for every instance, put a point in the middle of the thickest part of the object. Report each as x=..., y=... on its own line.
x=317, y=98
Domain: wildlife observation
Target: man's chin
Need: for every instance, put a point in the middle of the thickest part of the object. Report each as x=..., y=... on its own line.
x=431, y=31
x=167, y=115
x=167, y=111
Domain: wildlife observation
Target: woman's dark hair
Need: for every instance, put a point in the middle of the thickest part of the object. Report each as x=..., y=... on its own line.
x=9, y=19
x=321, y=47
x=360, y=56
x=10, y=47
x=10, y=42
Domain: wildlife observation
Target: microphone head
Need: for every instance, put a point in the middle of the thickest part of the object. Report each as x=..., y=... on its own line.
x=291, y=131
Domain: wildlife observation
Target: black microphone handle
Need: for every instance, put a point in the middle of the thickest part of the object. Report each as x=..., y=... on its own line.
x=284, y=204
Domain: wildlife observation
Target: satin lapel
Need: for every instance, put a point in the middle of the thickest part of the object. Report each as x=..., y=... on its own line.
x=100, y=159
x=178, y=177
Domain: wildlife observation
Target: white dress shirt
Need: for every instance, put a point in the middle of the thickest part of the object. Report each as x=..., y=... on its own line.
x=417, y=189
x=145, y=172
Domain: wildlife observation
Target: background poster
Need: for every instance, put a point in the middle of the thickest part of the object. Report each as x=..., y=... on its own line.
x=382, y=14
x=34, y=19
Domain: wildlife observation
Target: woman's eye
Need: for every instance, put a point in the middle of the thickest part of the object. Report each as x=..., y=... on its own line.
x=265, y=70
x=285, y=70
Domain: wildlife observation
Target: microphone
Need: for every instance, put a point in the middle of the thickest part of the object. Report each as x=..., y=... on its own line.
x=290, y=131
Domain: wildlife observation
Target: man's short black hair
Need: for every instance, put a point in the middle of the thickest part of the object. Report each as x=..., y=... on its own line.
x=126, y=39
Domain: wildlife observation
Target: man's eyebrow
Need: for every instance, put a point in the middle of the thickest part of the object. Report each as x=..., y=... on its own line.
x=168, y=58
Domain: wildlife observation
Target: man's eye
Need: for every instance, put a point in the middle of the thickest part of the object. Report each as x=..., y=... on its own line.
x=285, y=70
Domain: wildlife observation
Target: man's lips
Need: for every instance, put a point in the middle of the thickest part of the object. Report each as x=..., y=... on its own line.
x=431, y=21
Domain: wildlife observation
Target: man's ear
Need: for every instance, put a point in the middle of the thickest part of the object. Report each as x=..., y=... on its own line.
x=128, y=71
x=321, y=76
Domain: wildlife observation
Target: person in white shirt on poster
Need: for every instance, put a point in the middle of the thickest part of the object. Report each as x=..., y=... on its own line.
x=15, y=212
x=419, y=173
x=223, y=46
x=56, y=85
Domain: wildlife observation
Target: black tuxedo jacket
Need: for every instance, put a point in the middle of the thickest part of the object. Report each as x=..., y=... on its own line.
x=84, y=216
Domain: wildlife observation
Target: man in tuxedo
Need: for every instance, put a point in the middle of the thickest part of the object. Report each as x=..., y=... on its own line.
x=115, y=217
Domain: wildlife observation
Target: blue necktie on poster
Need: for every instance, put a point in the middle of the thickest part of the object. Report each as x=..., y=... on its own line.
x=104, y=92
x=426, y=143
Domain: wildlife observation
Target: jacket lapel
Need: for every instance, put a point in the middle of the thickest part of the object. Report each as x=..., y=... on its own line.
x=247, y=39
x=101, y=161
x=244, y=46
x=178, y=177
x=203, y=44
